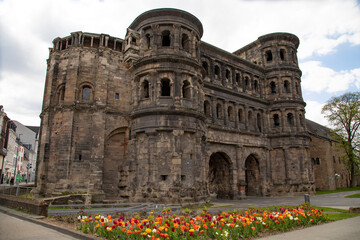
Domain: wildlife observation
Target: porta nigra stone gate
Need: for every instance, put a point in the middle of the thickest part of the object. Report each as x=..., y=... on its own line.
x=162, y=116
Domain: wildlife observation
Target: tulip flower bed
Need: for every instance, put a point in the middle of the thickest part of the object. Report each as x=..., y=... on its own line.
x=230, y=225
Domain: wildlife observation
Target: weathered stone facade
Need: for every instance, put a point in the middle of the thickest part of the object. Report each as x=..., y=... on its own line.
x=163, y=116
x=327, y=159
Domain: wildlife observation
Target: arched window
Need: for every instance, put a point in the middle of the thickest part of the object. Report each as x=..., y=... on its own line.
x=217, y=71
x=185, y=42
x=165, y=87
x=290, y=119
x=227, y=74
x=166, y=39
x=258, y=120
x=145, y=89
x=231, y=113
x=219, y=111
x=276, y=120
x=148, y=39
x=206, y=67
x=241, y=115
x=286, y=87
x=282, y=54
x=250, y=118
x=186, y=89
x=256, y=85
x=237, y=78
x=269, y=56
x=61, y=94
x=86, y=93
x=207, y=108
x=246, y=79
x=273, y=87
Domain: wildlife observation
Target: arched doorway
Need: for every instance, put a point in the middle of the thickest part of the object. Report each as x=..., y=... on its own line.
x=114, y=158
x=220, y=176
x=252, y=176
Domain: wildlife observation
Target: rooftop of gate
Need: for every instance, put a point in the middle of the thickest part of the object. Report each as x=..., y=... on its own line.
x=167, y=15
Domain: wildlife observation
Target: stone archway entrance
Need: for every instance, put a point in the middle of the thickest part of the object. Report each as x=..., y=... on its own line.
x=252, y=176
x=220, y=176
x=114, y=158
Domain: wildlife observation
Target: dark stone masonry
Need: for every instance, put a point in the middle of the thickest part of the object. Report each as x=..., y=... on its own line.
x=162, y=116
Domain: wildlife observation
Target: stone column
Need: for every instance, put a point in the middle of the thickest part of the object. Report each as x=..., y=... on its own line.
x=214, y=113
x=226, y=114
x=236, y=112
x=246, y=109
x=282, y=120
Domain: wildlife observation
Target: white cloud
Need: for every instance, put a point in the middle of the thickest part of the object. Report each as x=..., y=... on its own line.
x=27, y=29
x=313, y=112
x=317, y=78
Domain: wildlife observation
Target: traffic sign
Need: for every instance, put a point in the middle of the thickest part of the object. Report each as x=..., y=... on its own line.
x=19, y=178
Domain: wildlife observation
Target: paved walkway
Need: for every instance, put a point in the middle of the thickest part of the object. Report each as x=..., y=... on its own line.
x=17, y=225
x=344, y=229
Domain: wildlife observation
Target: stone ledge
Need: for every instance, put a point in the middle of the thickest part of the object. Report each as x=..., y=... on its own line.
x=33, y=206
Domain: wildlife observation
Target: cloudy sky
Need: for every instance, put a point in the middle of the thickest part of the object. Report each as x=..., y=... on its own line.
x=329, y=33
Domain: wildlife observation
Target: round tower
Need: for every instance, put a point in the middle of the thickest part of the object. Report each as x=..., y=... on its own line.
x=162, y=52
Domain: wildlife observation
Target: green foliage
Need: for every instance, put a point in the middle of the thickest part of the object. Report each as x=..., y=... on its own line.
x=343, y=113
x=337, y=190
x=357, y=195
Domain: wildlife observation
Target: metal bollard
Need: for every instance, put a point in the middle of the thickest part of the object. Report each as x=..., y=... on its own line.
x=307, y=198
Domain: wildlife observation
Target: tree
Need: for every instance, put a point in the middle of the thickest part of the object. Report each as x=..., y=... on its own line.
x=343, y=113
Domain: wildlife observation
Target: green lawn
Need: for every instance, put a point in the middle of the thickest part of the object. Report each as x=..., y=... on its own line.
x=335, y=214
x=337, y=190
x=357, y=195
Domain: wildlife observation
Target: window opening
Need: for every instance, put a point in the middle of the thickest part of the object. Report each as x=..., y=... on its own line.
x=256, y=86
x=206, y=67
x=164, y=177
x=290, y=119
x=273, y=87
x=217, y=71
x=116, y=96
x=246, y=81
x=186, y=90
x=185, y=42
x=227, y=74
x=287, y=87
x=62, y=94
x=133, y=40
x=86, y=93
x=87, y=41
x=230, y=113
x=118, y=46
x=282, y=54
x=96, y=42
x=111, y=44
x=258, y=120
x=219, y=111
x=147, y=36
x=276, y=120
x=250, y=118
x=237, y=78
x=145, y=89
x=269, y=56
x=207, y=108
x=165, y=87
x=240, y=115
x=166, y=40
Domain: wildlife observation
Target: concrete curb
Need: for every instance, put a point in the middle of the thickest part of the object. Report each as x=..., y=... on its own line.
x=35, y=219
